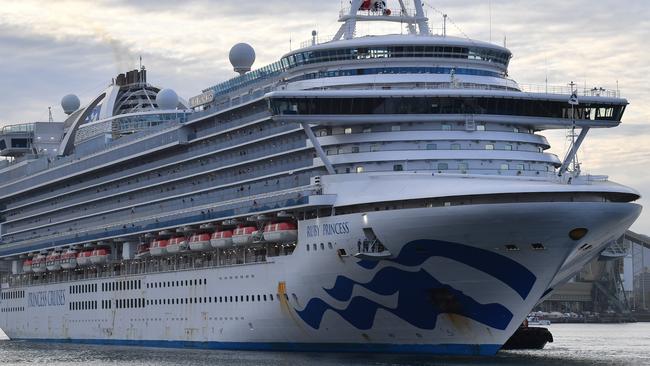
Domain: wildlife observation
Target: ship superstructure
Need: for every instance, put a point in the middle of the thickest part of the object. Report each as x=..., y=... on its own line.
x=381, y=193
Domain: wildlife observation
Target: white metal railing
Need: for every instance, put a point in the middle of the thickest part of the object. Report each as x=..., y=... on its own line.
x=524, y=88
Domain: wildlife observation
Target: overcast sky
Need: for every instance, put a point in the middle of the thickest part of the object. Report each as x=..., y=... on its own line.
x=52, y=48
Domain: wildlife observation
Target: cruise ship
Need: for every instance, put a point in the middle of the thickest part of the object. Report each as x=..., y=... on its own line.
x=385, y=193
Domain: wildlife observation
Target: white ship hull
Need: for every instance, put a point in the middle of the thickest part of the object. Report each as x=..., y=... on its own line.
x=450, y=287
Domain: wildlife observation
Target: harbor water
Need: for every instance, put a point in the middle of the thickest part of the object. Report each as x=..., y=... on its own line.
x=575, y=344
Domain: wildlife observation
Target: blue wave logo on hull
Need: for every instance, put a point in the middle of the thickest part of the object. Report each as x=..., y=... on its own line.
x=513, y=274
x=421, y=298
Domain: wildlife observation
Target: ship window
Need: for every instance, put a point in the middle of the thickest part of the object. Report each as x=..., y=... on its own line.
x=398, y=167
x=521, y=167
x=507, y=147
x=462, y=167
x=446, y=127
x=489, y=147
x=455, y=146
x=505, y=167
x=480, y=127
x=347, y=131
x=322, y=246
x=307, y=247
x=359, y=169
x=432, y=147
x=443, y=166
x=315, y=248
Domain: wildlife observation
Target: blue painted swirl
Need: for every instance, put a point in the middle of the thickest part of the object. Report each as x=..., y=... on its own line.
x=421, y=298
x=513, y=274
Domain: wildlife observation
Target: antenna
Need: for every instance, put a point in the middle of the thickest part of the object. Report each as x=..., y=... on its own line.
x=49, y=110
x=140, y=62
x=376, y=10
x=444, y=25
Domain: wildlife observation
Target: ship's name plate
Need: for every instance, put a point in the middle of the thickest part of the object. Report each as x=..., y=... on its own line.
x=46, y=298
x=329, y=229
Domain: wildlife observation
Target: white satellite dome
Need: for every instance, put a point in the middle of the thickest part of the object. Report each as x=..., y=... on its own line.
x=242, y=57
x=70, y=103
x=167, y=99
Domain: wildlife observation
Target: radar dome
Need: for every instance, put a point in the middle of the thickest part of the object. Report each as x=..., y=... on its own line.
x=242, y=57
x=167, y=99
x=70, y=103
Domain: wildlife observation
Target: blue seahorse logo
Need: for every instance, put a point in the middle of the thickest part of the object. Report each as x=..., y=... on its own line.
x=421, y=298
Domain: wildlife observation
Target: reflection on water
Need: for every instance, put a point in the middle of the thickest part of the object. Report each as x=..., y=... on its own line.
x=575, y=344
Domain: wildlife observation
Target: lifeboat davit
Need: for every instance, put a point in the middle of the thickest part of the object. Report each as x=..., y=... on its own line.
x=200, y=242
x=282, y=232
x=69, y=259
x=177, y=244
x=27, y=266
x=100, y=256
x=158, y=248
x=38, y=263
x=143, y=251
x=83, y=259
x=244, y=235
x=53, y=261
x=221, y=239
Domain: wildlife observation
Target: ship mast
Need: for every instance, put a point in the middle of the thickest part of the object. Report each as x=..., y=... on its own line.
x=376, y=10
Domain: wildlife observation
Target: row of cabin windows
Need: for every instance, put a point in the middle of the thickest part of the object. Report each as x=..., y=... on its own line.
x=18, y=294
x=122, y=285
x=107, y=304
x=135, y=165
x=272, y=166
x=461, y=126
x=83, y=289
x=129, y=303
x=165, y=284
x=293, y=141
x=322, y=246
x=260, y=149
x=12, y=309
x=460, y=166
x=453, y=146
x=83, y=305
x=286, y=162
x=217, y=299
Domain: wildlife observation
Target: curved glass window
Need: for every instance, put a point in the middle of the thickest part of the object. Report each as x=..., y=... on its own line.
x=397, y=70
x=446, y=105
x=305, y=58
x=469, y=53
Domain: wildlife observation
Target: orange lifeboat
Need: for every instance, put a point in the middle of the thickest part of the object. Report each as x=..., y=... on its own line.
x=244, y=235
x=158, y=248
x=221, y=239
x=53, y=261
x=176, y=245
x=69, y=259
x=83, y=259
x=27, y=266
x=282, y=232
x=200, y=242
x=100, y=256
x=38, y=263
